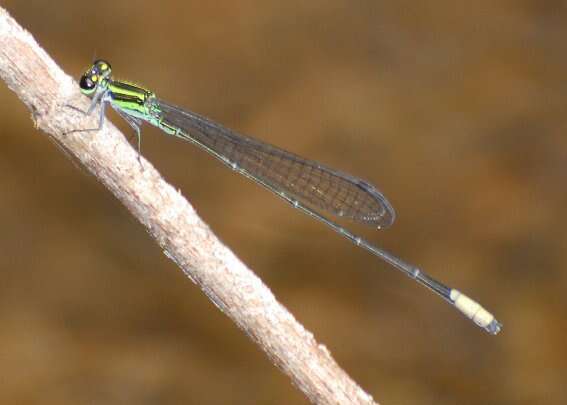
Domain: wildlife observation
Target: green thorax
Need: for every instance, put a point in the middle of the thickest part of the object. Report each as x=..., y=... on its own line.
x=131, y=99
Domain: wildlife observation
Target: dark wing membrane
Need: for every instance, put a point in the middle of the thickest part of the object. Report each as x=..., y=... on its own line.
x=306, y=181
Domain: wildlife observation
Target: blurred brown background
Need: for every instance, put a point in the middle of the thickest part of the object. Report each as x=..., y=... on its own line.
x=456, y=111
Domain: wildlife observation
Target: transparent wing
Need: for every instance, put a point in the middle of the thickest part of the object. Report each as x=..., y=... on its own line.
x=306, y=181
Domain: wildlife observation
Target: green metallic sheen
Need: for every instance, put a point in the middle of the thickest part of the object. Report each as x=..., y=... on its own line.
x=133, y=99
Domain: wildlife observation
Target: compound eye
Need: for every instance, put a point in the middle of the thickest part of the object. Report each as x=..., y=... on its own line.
x=102, y=65
x=88, y=83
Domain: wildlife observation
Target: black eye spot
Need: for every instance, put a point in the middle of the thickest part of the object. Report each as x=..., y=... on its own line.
x=86, y=83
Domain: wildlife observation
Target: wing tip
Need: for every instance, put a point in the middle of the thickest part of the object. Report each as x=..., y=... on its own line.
x=387, y=214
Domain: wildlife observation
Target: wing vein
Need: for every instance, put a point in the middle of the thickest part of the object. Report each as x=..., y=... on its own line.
x=307, y=181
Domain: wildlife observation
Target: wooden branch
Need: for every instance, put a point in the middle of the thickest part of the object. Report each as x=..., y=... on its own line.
x=169, y=218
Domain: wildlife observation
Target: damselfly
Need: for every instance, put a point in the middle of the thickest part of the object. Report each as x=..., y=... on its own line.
x=307, y=185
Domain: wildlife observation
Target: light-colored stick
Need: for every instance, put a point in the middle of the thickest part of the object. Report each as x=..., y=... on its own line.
x=231, y=286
